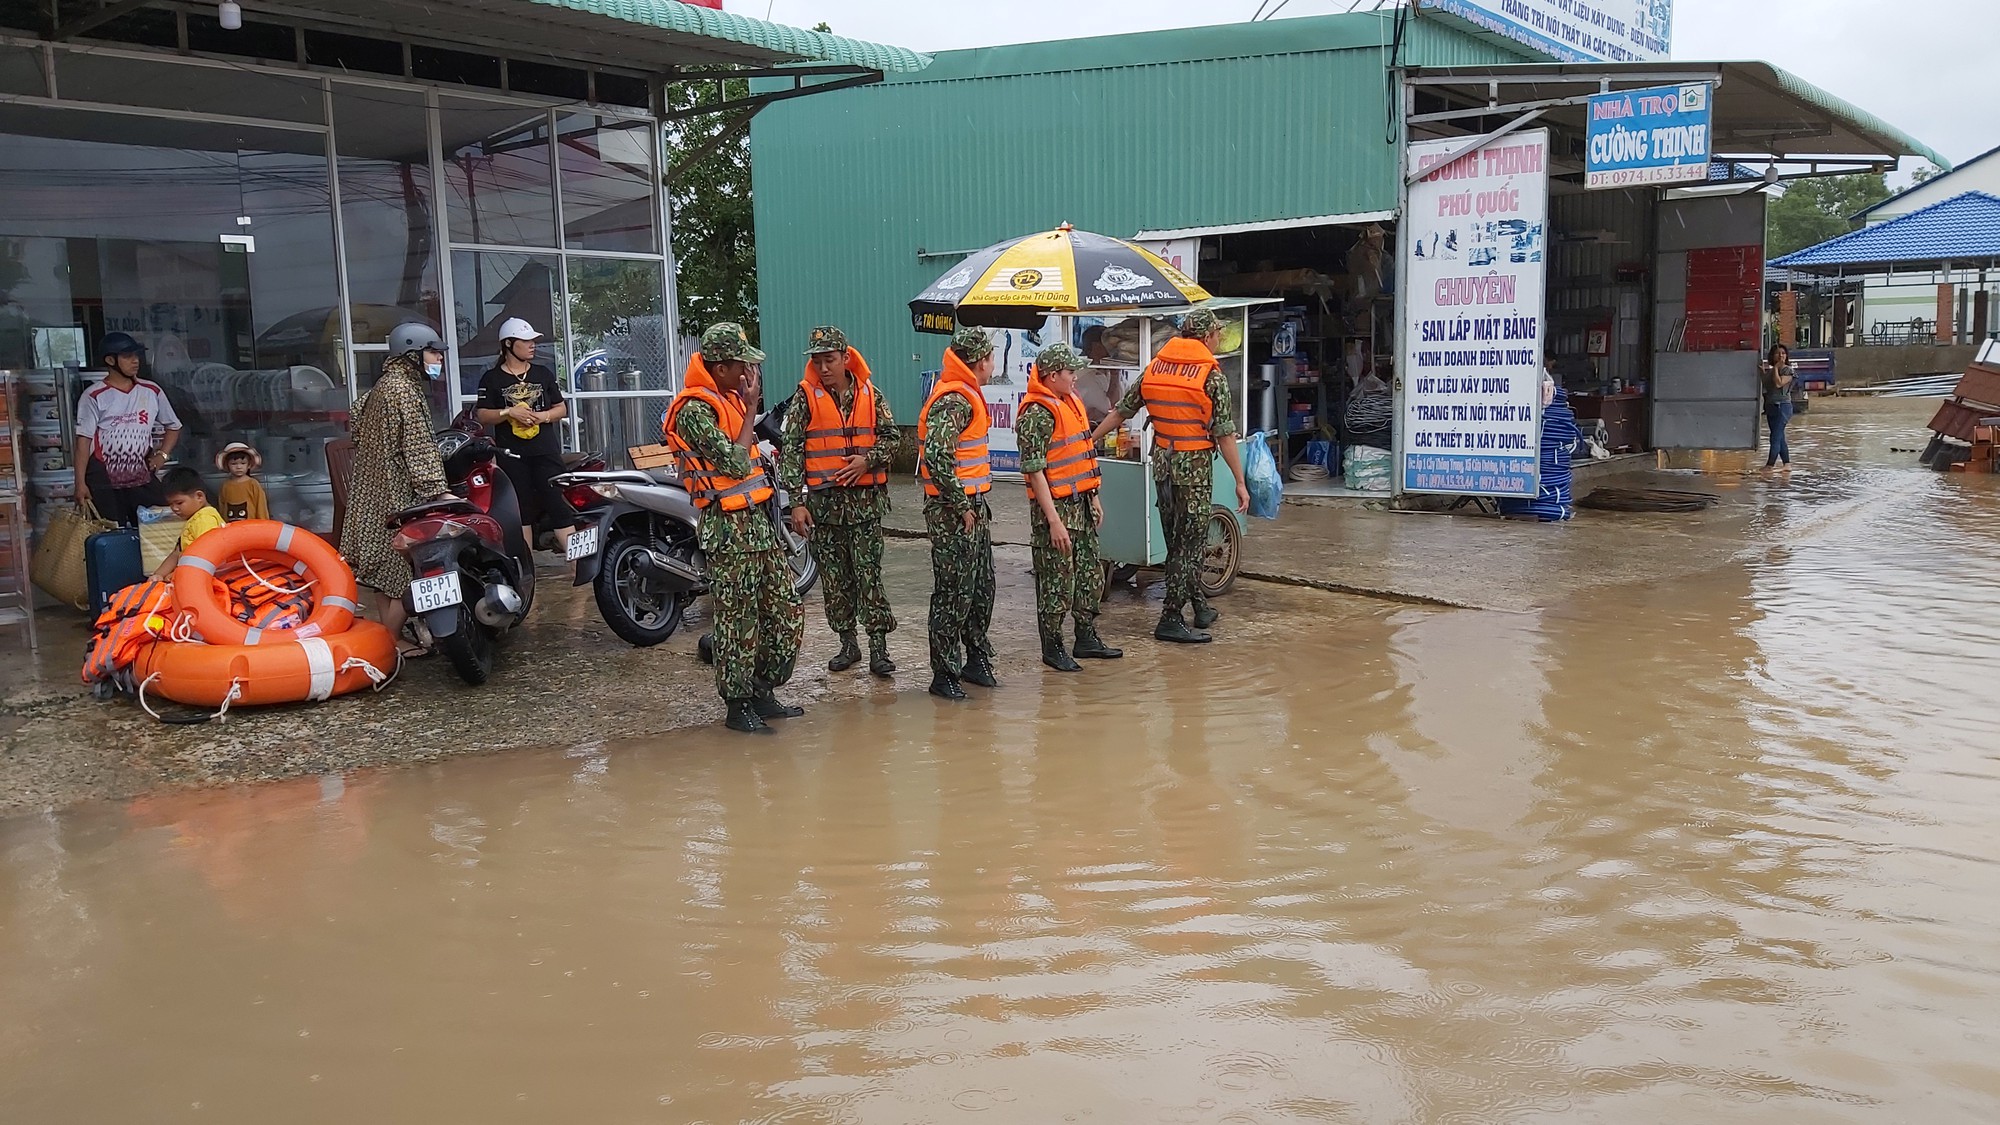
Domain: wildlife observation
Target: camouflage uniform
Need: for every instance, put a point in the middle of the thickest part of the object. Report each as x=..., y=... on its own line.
x=1187, y=481
x=961, y=561
x=847, y=522
x=758, y=621
x=1065, y=584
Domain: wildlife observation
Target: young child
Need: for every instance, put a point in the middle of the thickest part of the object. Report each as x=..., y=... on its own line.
x=188, y=497
x=242, y=497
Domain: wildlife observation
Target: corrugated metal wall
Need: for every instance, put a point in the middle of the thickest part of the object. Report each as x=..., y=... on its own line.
x=864, y=196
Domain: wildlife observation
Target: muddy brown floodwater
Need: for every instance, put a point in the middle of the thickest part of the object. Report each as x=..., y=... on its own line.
x=1720, y=848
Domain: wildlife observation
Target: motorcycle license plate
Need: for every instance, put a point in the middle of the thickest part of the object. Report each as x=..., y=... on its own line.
x=435, y=592
x=582, y=543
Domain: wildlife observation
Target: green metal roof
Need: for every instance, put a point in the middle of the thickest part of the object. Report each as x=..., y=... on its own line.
x=1168, y=130
x=765, y=42
x=1860, y=119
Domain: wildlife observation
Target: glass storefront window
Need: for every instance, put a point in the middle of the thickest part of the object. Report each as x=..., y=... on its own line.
x=608, y=197
x=613, y=425
x=382, y=140
x=617, y=325
x=213, y=245
x=165, y=84
x=498, y=172
x=489, y=288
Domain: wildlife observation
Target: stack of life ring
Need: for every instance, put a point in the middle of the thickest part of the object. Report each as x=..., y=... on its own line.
x=263, y=612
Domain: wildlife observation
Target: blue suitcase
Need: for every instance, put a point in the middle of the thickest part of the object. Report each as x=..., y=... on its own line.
x=111, y=562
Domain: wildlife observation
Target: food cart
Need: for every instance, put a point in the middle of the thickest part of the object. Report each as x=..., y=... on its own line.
x=1132, y=536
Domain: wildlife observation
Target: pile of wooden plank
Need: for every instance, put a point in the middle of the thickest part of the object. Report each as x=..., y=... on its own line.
x=1967, y=423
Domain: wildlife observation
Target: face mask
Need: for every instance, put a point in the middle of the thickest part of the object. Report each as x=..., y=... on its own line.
x=433, y=370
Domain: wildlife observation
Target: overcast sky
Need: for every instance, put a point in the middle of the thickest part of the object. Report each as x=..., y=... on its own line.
x=1927, y=66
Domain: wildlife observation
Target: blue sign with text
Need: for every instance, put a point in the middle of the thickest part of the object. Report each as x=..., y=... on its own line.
x=1659, y=135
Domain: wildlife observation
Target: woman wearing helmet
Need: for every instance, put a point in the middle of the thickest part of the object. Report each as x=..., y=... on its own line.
x=523, y=403
x=395, y=464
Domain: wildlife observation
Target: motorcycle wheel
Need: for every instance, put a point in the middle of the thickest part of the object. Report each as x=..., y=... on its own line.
x=799, y=560
x=639, y=618
x=469, y=648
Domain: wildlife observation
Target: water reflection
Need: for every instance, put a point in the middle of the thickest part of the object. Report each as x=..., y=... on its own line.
x=1714, y=849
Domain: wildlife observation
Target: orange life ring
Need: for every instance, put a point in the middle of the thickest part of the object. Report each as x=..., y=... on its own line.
x=295, y=670
x=196, y=591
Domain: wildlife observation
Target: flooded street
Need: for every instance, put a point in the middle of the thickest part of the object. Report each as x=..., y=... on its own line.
x=1716, y=848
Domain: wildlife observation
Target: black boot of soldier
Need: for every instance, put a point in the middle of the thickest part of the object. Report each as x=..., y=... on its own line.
x=705, y=648
x=743, y=716
x=1090, y=646
x=1172, y=628
x=878, y=657
x=1055, y=656
x=944, y=685
x=768, y=707
x=848, y=656
x=1204, y=616
x=979, y=670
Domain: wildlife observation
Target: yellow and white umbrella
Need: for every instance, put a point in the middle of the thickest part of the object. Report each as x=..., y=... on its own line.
x=1015, y=284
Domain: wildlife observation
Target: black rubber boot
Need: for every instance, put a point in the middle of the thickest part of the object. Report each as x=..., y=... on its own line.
x=1204, y=616
x=979, y=670
x=1090, y=646
x=1055, y=656
x=768, y=707
x=945, y=686
x=848, y=656
x=705, y=648
x=743, y=716
x=878, y=657
x=1172, y=628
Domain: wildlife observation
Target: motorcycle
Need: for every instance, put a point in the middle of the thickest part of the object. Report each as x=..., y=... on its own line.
x=637, y=544
x=473, y=578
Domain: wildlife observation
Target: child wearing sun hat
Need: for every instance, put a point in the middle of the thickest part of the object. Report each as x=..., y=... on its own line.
x=242, y=498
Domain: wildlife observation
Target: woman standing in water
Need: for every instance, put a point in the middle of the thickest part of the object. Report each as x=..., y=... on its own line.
x=1780, y=380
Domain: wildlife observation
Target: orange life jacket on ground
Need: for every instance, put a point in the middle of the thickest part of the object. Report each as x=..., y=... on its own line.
x=1175, y=387
x=975, y=463
x=830, y=438
x=706, y=486
x=1072, y=459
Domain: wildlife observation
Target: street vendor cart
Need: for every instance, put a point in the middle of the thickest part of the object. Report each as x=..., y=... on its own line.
x=1132, y=537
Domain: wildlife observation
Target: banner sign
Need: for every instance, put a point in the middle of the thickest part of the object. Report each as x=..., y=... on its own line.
x=1574, y=30
x=1638, y=138
x=1470, y=374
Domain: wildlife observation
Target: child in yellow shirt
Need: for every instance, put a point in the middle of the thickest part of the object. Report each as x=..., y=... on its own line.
x=188, y=497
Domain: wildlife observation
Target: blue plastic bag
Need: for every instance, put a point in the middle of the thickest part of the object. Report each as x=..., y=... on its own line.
x=1260, y=476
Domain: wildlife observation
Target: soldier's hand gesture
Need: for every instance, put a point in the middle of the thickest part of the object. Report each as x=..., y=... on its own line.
x=1059, y=538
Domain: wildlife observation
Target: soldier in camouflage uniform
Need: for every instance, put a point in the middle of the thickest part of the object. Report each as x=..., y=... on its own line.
x=838, y=482
x=957, y=474
x=1063, y=507
x=758, y=621
x=1185, y=394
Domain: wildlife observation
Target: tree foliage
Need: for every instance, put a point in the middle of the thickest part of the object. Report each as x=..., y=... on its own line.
x=1812, y=211
x=715, y=239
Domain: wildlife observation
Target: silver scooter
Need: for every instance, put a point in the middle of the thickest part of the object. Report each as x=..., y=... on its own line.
x=636, y=543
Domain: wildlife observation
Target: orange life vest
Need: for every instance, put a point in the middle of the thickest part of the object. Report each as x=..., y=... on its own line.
x=975, y=464
x=704, y=484
x=1175, y=387
x=1072, y=459
x=830, y=438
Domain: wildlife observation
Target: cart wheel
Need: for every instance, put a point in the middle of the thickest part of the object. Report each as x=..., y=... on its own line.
x=1224, y=555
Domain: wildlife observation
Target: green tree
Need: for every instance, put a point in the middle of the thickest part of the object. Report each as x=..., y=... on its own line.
x=1812, y=211
x=708, y=187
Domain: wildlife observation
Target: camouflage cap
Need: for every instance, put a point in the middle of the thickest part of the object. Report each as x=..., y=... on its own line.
x=826, y=338
x=1061, y=357
x=1200, y=323
x=971, y=344
x=726, y=341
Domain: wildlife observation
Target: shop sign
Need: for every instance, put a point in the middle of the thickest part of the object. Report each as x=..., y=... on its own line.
x=1472, y=243
x=1638, y=138
x=1574, y=30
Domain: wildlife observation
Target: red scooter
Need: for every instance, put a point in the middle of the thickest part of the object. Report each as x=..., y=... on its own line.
x=474, y=578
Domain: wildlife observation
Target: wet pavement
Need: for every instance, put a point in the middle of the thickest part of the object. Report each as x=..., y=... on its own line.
x=1707, y=839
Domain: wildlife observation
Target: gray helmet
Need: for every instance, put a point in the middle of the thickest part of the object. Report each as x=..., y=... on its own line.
x=413, y=336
